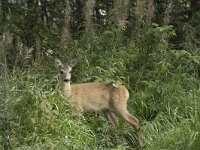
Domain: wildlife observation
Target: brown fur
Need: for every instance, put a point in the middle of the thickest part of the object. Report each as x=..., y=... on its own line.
x=98, y=97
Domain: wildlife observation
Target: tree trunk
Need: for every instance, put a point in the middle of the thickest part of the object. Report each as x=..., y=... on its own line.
x=65, y=35
x=121, y=13
x=4, y=7
x=88, y=12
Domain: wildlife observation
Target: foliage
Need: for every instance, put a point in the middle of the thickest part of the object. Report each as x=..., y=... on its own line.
x=152, y=48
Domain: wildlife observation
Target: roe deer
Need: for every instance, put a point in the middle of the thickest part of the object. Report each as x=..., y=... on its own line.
x=110, y=99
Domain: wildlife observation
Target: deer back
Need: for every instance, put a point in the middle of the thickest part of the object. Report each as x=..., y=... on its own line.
x=98, y=96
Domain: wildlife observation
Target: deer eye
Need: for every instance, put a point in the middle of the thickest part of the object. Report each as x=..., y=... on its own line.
x=70, y=71
x=61, y=72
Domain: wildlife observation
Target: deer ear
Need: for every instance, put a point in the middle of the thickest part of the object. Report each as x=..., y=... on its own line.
x=72, y=63
x=58, y=63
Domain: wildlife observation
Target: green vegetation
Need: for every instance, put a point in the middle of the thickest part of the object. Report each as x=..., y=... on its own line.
x=152, y=48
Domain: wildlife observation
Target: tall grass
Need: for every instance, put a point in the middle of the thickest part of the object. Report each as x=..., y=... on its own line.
x=40, y=118
x=164, y=94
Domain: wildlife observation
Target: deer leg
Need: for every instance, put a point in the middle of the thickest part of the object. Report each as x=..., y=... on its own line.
x=112, y=119
x=77, y=110
x=133, y=121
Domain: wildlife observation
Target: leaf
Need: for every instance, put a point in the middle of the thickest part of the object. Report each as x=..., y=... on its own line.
x=196, y=59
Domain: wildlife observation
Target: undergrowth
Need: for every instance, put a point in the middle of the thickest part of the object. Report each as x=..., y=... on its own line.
x=166, y=103
x=164, y=94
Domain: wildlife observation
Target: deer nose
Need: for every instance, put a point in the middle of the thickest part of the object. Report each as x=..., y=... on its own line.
x=66, y=80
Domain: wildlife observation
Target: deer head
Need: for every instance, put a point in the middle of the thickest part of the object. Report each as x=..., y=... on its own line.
x=65, y=69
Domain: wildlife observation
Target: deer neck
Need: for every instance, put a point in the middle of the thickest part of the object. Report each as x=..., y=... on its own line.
x=66, y=89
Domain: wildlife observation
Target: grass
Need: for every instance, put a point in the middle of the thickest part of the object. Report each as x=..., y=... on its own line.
x=40, y=118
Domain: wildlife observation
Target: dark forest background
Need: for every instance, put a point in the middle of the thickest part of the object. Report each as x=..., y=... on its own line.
x=150, y=46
